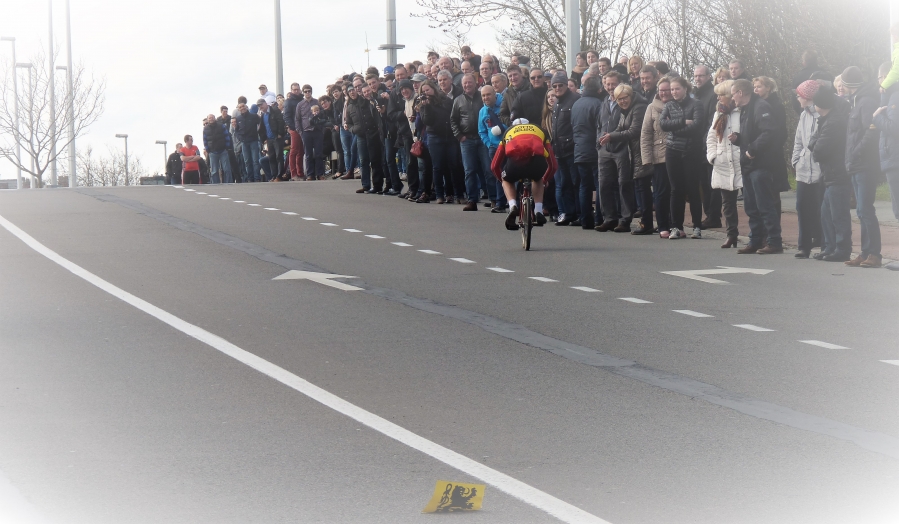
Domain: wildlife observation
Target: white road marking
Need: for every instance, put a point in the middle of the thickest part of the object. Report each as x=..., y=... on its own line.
x=224, y=198
x=462, y=260
x=893, y=362
x=401, y=244
x=212, y=196
x=429, y=252
x=722, y=270
x=240, y=201
x=374, y=236
x=288, y=213
x=530, y=495
x=353, y=230
x=254, y=205
x=635, y=300
x=825, y=345
x=178, y=187
x=500, y=270
x=200, y=193
x=750, y=327
x=190, y=189
x=692, y=313
x=308, y=218
x=587, y=289
x=15, y=507
x=272, y=209
x=542, y=279
x=320, y=278
x=328, y=224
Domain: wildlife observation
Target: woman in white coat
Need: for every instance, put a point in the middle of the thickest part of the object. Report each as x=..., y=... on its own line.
x=725, y=158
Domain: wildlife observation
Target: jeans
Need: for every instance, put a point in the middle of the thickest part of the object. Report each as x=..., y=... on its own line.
x=586, y=175
x=443, y=158
x=425, y=168
x=251, y=159
x=565, y=178
x=475, y=162
x=392, y=171
x=413, y=177
x=683, y=171
x=836, y=223
x=221, y=161
x=661, y=196
x=808, y=211
x=314, y=154
x=865, y=185
x=350, y=155
x=893, y=180
x=296, y=153
x=616, y=187
x=760, y=207
x=501, y=200
x=643, y=192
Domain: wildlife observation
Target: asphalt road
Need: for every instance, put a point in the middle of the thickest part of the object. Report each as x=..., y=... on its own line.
x=631, y=411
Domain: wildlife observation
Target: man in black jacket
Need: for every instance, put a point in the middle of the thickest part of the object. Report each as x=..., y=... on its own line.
x=704, y=91
x=271, y=132
x=529, y=104
x=247, y=131
x=518, y=84
x=395, y=104
x=758, y=159
x=216, y=143
x=863, y=161
x=608, y=189
x=364, y=120
x=828, y=146
x=475, y=160
x=174, y=166
x=563, y=147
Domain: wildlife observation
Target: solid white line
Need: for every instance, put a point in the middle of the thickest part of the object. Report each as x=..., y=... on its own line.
x=272, y=209
x=429, y=252
x=635, y=300
x=401, y=244
x=463, y=260
x=587, y=289
x=308, y=218
x=328, y=224
x=825, y=345
x=893, y=362
x=750, y=327
x=692, y=313
x=288, y=213
x=255, y=205
x=514, y=487
x=374, y=236
x=500, y=270
x=542, y=279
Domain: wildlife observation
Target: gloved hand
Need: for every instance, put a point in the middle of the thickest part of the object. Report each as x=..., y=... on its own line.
x=496, y=130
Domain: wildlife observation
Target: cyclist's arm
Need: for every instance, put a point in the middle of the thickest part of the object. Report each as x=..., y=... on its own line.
x=499, y=160
x=551, y=165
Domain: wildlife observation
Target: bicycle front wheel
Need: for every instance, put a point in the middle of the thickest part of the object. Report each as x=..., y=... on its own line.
x=527, y=222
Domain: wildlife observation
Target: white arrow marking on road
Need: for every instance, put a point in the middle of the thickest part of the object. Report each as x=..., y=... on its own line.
x=893, y=362
x=724, y=270
x=321, y=278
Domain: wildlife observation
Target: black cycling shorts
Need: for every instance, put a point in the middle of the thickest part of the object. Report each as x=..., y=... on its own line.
x=531, y=169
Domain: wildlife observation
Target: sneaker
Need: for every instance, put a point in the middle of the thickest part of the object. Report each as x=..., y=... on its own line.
x=540, y=219
x=697, y=233
x=403, y=177
x=512, y=218
x=391, y=192
x=664, y=234
x=677, y=234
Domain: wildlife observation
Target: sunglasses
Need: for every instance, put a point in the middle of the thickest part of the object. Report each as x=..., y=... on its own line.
x=307, y=90
x=556, y=86
x=536, y=77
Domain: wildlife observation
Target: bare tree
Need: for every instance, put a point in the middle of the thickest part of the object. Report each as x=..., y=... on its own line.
x=34, y=134
x=108, y=170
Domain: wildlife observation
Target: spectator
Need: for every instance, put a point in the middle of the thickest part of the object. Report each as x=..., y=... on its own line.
x=446, y=64
x=435, y=108
x=563, y=147
x=473, y=59
x=491, y=129
x=724, y=157
x=364, y=120
x=190, y=157
x=623, y=146
x=766, y=88
x=224, y=120
x=402, y=113
x=809, y=189
x=684, y=121
x=270, y=97
x=348, y=139
x=216, y=142
x=580, y=67
x=395, y=105
x=653, y=151
x=758, y=158
x=328, y=120
x=271, y=133
x=518, y=84
x=174, y=166
x=704, y=92
x=886, y=119
x=661, y=66
x=296, y=141
x=464, y=120
x=485, y=73
x=634, y=66
x=608, y=191
x=828, y=148
x=247, y=125
x=445, y=82
x=339, y=101
x=809, y=67
x=738, y=70
x=721, y=74
x=649, y=79
x=838, y=87
x=605, y=65
x=584, y=119
x=592, y=57
x=433, y=56
x=863, y=162
x=529, y=104
x=500, y=84
x=313, y=141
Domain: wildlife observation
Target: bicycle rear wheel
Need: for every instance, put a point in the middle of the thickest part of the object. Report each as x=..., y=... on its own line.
x=527, y=222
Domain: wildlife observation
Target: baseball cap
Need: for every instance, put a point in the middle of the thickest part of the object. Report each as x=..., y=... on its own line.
x=261, y=86
x=419, y=77
x=261, y=101
x=388, y=70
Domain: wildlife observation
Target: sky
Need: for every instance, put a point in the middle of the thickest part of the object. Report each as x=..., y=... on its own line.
x=169, y=63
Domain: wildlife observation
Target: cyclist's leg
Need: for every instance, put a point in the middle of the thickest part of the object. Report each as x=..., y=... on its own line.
x=537, y=191
x=510, y=191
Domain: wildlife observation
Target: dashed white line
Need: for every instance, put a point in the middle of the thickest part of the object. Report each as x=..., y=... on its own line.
x=224, y=198
x=308, y=218
x=500, y=270
x=893, y=362
x=288, y=213
x=429, y=252
x=190, y=189
x=825, y=345
x=462, y=260
x=254, y=205
x=587, y=289
x=328, y=224
x=374, y=236
x=212, y=196
x=542, y=279
x=240, y=201
x=201, y=193
x=401, y=244
x=178, y=187
x=751, y=327
x=691, y=313
x=634, y=300
x=272, y=209
x=351, y=230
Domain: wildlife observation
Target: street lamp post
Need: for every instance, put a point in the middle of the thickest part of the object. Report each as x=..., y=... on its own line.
x=165, y=150
x=127, y=179
x=30, y=67
x=572, y=32
x=391, y=46
x=53, y=181
x=15, y=89
x=279, y=61
x=73, y=178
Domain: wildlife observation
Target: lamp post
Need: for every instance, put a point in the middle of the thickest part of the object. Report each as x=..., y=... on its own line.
x=73, y=178
x=165, y=150
x=30, y=67
x=15, y=89
x=53, y=181
x=279, y=62
x=127, y=179
x=572, y=32
x=391, y=46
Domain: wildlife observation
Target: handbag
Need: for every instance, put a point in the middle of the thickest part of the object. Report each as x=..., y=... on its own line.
x=417, y=148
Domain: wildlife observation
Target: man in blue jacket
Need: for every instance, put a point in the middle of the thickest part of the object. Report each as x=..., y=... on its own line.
x=488, y=120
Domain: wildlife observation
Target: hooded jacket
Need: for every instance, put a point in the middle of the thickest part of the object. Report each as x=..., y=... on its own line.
x=563, y=134
x=828, y=145
x=652, y=138
x=584, y=118
x=807, y=170
x=683, y=137
x=862, y=138
x=887, y=122
x=723, y=155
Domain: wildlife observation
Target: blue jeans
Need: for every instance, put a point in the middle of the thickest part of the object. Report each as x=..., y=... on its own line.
x=443, y=158
x=865, y=185
x=893, y=180
x=759, y=205
x=351, y=157
x=221, y=161
x=565, y=183
x=661, y=196
x=364, y=161
x=475, y=162
x=808, y=212
x=250, y=154
x=835, y=220
x=587, y=174
x=501, y=200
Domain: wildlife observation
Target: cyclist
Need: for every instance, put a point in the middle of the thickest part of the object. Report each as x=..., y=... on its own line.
x=523, y=153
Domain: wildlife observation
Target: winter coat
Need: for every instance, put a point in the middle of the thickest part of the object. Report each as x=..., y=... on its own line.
x=396, y=112
x=652, y=138
x=216, y=137
x=887, y=122
x=464, y=115
x=248, y=127
x=807, y=170
x=363, y=118
x=290, y=110
x=436, y=117
x=779, y=162
x=758, y=136
x=709, y=102
x=276, y=122
x=828, y=145
x=509, y=98
x=486, y=122
x=174, y=165
x=529, y=105
x=584, y=117
x=609, y=117
x=562, y=133
x=861, y=139
x=682, y=136
x=630, y=125
x=723, y=155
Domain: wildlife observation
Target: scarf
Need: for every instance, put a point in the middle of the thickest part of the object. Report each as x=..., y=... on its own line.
x=721, y=123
